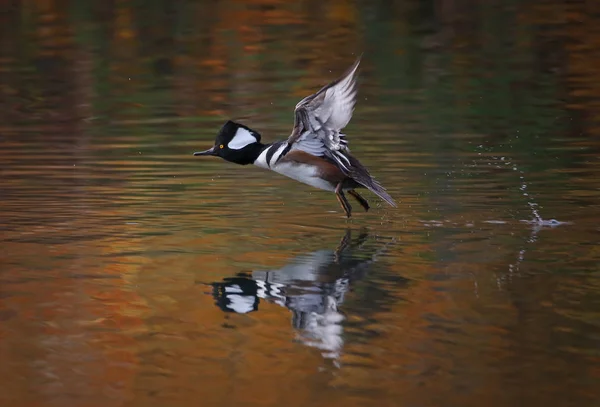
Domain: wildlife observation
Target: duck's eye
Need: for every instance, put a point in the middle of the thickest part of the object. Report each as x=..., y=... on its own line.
x=221, y=146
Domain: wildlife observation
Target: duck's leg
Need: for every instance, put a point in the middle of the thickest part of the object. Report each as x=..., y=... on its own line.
x=339, y=194
x=343, y=245
x=362, y=201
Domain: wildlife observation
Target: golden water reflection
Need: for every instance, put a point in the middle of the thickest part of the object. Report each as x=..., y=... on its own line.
x=122, y=255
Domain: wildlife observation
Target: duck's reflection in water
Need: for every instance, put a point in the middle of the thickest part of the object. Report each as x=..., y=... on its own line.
x=312, y=286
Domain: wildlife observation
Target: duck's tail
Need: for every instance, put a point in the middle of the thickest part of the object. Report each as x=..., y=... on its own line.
x=380, y=191
x=361, y=175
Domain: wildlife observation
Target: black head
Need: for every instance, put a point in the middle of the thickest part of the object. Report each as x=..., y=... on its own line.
x=236, y=294
x=236, y=143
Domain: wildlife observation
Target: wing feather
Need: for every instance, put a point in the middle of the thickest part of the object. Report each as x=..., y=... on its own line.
x=318, y=123
x=319, y=118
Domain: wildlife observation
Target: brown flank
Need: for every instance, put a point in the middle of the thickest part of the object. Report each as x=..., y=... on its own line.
x=327, y=170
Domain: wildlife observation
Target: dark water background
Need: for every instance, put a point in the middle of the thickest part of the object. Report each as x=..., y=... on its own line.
x=133, y=274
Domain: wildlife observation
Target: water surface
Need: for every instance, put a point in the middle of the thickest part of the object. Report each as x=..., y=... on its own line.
x=134, y=274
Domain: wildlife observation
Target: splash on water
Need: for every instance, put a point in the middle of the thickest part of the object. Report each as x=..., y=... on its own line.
x=536, y=221
x=529, y=198
x=546, y=222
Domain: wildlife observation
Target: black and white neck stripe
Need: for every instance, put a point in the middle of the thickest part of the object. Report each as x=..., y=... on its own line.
x=271, y=154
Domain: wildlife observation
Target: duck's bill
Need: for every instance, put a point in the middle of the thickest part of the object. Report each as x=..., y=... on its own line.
x=210, y=151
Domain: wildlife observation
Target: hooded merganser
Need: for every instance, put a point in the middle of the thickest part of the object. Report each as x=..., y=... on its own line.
x=312, y=286
x=316, y=153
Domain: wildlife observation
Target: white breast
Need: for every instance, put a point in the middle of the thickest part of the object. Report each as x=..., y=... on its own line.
x=307, y=174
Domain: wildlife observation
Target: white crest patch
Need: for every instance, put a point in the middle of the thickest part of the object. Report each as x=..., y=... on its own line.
x=241, y=304
x=241, y=139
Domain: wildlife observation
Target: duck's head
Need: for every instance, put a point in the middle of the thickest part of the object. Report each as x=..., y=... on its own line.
x=236, y=143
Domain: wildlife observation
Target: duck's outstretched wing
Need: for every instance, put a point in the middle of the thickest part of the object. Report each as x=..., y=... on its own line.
x=318, y=123
x=320, y=118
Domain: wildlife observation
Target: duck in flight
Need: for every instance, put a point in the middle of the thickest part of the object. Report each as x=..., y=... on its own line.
x=316, y=153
